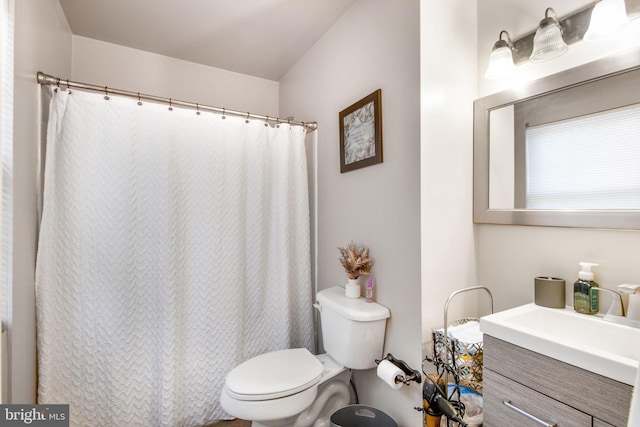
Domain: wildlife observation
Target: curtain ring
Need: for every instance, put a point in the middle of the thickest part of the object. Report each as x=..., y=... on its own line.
x=106, y=92
x=170, y=107
x=197, y=109
x=223, y=116
x=266, y=121
x=277, y=122
x=139, y=102
x=247, y=119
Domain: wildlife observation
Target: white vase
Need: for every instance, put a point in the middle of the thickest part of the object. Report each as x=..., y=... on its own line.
x=352, y=289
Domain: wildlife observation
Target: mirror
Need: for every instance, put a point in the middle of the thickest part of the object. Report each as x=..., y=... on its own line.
x=544, y=153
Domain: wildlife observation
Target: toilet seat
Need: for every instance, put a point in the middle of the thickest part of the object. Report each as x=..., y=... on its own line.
x=274, y=375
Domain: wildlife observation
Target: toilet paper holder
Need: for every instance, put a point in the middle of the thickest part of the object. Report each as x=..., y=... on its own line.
x=409, y=373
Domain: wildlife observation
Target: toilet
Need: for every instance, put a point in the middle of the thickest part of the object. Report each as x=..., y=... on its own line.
x=296, y=388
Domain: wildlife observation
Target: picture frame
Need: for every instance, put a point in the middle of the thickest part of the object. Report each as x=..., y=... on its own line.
x=361, y=133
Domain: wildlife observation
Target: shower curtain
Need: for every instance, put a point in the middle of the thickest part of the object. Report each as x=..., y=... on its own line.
x=173, y=246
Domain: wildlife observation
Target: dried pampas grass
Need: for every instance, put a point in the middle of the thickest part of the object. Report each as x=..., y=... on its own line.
x=355, y=260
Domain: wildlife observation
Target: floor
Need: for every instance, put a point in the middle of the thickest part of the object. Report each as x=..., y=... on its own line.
x=232, y=423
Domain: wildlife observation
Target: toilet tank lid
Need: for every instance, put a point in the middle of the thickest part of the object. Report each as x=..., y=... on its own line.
x=357, y=309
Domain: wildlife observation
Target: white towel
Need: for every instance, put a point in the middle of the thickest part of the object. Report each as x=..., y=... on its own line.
x=467, y=332
x=634, y=411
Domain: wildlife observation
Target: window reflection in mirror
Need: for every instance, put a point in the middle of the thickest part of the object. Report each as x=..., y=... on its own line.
x=574, y=149
x=588, y=162
x=501, y=157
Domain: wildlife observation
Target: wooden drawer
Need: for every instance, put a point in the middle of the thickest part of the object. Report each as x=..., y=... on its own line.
x=498, y=389
x=590, y=393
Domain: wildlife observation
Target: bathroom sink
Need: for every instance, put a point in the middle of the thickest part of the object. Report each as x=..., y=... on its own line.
x=588, y=342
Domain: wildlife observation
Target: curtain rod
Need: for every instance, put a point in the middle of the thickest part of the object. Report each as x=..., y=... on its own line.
x=45, y=79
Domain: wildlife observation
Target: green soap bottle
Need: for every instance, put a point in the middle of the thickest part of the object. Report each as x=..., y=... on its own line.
x=585, y=301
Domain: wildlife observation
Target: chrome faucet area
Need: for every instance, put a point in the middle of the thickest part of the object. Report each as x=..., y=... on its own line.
x=616, y=312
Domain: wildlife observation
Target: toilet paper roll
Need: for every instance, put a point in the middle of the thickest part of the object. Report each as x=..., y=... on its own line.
x=388, y=372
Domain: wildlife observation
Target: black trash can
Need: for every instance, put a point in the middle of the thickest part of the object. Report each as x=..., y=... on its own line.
x=361, y=416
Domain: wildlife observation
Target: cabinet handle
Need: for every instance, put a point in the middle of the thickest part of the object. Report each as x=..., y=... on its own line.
x=528, y=415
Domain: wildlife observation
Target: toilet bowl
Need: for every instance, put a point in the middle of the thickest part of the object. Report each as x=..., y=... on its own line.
x=286, y=388
x=295, y=388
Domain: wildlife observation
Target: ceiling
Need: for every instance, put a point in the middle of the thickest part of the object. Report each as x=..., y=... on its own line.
x=262, y=38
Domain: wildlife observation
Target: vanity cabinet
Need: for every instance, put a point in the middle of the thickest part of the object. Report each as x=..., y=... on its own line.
x=600, y=423
x=516, y=379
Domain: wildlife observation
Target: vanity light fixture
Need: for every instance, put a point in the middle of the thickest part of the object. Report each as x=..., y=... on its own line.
x=608, y=17
x=553, y=35
x=548, y=42
x=501, y=60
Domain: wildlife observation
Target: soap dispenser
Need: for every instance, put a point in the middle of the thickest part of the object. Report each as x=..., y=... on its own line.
x=585, y=301
x=633, y=309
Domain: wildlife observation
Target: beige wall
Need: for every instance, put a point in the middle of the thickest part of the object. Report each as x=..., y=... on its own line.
x=509, y=257
x=448, y=88
x=375, y=44
x=135, y=70
x=42, y=43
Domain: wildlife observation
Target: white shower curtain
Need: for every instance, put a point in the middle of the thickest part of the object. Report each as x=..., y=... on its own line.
x=172, y=247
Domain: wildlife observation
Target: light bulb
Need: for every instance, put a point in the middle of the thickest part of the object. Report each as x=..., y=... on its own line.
x=607, y=18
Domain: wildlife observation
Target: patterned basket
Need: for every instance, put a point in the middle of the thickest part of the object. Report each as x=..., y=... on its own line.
x=467, y=357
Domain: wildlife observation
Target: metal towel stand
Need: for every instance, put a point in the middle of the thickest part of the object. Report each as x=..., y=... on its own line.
x=446, y=321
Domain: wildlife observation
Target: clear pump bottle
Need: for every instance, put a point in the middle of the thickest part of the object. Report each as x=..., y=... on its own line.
x=585, y=301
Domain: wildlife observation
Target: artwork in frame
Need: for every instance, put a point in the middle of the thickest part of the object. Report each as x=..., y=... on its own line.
x=361, y=133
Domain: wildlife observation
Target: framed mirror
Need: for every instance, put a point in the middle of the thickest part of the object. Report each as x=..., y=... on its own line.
x=563, y=150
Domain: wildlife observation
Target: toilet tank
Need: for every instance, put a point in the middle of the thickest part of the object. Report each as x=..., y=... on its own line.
x=352, y=329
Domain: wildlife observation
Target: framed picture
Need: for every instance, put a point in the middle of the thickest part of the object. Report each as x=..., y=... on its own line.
x=361, y=133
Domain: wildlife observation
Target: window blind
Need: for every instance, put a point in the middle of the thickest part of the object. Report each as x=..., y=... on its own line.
x=588, y=162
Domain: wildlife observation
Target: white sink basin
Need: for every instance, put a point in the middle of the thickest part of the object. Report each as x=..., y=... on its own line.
x=606, y=348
